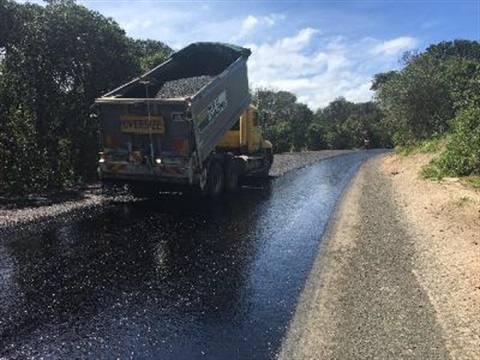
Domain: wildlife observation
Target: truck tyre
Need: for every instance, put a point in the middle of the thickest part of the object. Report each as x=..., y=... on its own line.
x=231, y=176
x=215, y=180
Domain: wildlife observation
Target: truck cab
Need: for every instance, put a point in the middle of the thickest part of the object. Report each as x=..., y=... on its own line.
x=245, y=137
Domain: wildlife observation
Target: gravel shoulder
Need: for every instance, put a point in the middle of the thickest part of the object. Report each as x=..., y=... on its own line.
x=19, y=211
x=384, y=284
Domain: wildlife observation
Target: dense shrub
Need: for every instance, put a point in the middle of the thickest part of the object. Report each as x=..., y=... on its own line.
x=462, y=156
x=54, y=61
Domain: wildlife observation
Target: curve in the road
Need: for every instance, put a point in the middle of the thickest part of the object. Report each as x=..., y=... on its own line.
x=173, y=279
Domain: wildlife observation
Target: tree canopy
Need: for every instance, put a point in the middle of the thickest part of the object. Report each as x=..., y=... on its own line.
x=436, y=95
x=54, y=61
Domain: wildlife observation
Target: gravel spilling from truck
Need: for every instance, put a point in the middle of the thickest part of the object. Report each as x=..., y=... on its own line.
x=183, y=87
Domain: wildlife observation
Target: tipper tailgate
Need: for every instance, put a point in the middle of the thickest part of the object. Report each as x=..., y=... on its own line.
x=218, y=106
x=150, y=127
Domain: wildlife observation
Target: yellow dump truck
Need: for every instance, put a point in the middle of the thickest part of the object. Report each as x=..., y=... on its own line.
x=189, y=123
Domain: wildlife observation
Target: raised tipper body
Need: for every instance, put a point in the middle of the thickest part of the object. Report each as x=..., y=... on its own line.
x=162, y=130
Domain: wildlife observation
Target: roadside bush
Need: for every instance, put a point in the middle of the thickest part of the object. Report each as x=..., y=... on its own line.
x=432, y=145
x=473, y=181
x=462, y=155
x=432, y=171
x=55, y=59
x=404, y=150
x=24, y=162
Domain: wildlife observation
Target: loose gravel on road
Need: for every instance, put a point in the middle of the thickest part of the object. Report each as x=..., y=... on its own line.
x=283, y=163
x=13, y=213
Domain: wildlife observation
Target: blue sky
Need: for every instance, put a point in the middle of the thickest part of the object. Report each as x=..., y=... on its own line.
x=318, y=50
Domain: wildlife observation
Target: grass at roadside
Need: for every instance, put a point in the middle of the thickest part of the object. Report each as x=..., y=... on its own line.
x=427, y=147
x=434, y=169
x=473, y=181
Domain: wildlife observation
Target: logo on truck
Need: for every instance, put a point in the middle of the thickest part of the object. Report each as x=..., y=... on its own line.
x=136, y=124
x=208, y=115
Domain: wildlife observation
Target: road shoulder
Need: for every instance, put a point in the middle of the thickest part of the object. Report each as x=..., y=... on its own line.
x=363, y=299
x=444, y=217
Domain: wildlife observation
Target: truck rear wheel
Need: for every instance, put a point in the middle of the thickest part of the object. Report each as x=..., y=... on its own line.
x=231, y=176
x=215, y=180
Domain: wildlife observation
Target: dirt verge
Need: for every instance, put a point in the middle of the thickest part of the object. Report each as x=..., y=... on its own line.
x=397, y=274
x=445, y=218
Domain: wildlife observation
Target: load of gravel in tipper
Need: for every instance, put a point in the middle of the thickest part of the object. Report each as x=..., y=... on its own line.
x=183, y=87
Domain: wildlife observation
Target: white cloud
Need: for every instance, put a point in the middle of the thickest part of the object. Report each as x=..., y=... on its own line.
x=319, y=69
x=205, y=7
x=315, y=76
x=272, y=19
x=396, y=46
x=318, y=65
x=298, y=41
x=250, y=22
x=136, y=24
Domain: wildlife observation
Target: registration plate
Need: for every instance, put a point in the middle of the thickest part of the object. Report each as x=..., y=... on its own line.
x=136, y=124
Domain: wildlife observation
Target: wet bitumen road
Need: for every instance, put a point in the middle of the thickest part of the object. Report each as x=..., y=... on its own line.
x=176, y=278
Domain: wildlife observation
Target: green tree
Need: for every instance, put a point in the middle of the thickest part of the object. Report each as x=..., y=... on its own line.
x=286, y=121
x=420, y=100
x=416, y=101
x=316, y=135
x=462, y=156
x=150, y=53
x=464, y=49
x=336, y=111
x=345, y=125
x=463, y=77
x=301, y=118
x=381, y=79
x=57, y=60
x=329, y=120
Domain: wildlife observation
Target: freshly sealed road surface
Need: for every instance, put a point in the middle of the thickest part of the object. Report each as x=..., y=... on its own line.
x=175, y=278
